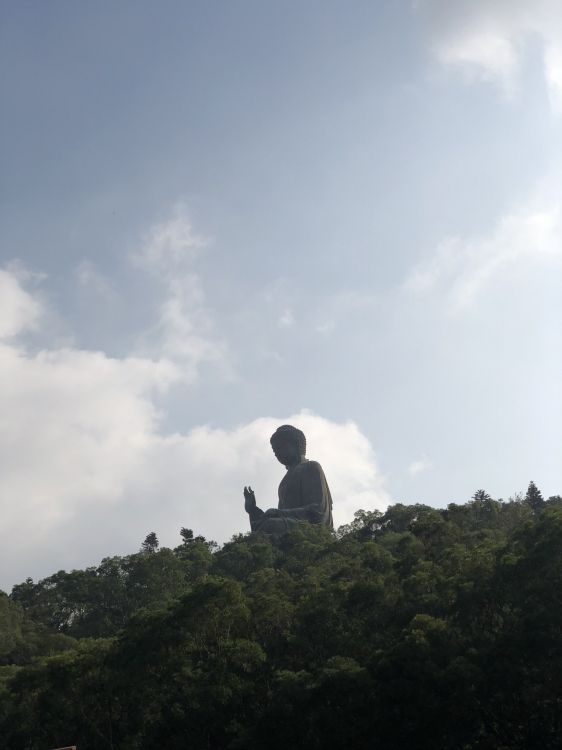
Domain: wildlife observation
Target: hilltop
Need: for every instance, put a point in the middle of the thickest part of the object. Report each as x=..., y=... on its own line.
x=413, y=628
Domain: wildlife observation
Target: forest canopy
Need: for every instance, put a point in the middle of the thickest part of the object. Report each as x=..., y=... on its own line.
x=413, y=628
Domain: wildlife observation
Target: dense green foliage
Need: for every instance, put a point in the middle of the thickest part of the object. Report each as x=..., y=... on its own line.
x=416, y=628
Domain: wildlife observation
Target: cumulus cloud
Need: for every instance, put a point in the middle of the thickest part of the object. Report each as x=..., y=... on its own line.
x=487, y=39
x=464, y=269
x=207, y=468
x=87, y=470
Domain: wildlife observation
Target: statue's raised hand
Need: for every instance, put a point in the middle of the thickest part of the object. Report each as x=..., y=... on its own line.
x=249, y=500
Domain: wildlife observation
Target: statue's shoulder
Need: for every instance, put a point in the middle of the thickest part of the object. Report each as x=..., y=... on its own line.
x=311, y=467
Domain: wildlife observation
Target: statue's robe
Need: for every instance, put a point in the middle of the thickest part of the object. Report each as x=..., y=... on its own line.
x=304, y=495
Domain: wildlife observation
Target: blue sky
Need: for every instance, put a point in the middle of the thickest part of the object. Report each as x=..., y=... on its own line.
x=218, y=216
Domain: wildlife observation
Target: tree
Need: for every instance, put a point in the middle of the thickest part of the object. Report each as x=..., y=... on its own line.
x=534, y=498
x=481, y=496
x=150, y=544
x=11, y=617
x=186, y=535
x=432, y=628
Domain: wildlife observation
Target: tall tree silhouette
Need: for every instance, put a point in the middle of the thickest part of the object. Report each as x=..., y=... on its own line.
x=186, y=535
x=534, y=497
x=481, y=496
x=150, y=544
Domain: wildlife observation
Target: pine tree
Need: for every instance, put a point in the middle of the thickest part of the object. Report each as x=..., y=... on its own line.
x=481, y=496
x=150, y=544
x=481, y=503
x=534, y=497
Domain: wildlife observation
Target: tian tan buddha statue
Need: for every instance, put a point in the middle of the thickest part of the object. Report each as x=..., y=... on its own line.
x=303, y=492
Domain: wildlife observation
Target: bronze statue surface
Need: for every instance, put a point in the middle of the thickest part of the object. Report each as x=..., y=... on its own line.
x=303, y=493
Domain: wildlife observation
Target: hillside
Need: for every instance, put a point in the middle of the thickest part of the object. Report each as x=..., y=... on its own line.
x=416, y=628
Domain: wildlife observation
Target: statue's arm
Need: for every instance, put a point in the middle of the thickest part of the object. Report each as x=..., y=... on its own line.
x=311, y=512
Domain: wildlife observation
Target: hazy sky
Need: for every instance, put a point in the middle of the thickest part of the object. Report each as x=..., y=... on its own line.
x=218, y=217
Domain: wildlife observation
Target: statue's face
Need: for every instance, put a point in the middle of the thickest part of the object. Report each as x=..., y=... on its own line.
x=286, y=451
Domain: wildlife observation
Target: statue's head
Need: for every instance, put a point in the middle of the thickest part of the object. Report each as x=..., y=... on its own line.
x=289, y=445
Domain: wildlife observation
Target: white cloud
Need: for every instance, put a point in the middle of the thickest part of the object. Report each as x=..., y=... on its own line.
x=487, y=39
x=341, y=304
x=463, y=270
x=86, y=469
x=19, y=311
x=215, y=464
x=169, y=244
x=419, y=466
x=88, y=276
x=184, y=330
x=553, y=72
x=287, y=319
